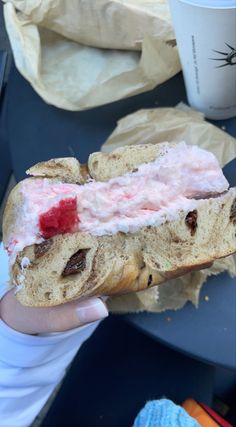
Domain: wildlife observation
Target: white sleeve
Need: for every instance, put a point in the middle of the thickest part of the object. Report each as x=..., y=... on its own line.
x=31, y=366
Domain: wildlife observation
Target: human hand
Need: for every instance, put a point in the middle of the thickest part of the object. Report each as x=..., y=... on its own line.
x=30, y=320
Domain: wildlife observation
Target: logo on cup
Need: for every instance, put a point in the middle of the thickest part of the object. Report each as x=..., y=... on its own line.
x=229, y=57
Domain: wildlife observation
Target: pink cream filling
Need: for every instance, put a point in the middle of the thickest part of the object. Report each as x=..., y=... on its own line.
x=153, y=194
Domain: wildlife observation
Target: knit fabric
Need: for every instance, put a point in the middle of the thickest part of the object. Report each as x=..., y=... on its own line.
x=163, y=413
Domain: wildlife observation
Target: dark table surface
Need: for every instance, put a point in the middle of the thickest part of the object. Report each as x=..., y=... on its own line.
x=37, y=131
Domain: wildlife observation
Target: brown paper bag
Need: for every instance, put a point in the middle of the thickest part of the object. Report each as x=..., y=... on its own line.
x=113, y=24
x=172, y=124
x=58, y=46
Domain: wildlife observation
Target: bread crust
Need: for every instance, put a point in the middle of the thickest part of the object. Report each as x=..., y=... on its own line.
x=79, y=265
x=66, y=169
x=104, y=166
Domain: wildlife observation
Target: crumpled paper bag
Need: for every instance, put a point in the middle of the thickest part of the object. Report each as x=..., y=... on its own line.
x=155, y=126
x=113, y=24
x=65, y=49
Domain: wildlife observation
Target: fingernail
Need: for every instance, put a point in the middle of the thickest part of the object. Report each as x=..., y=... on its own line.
x=91, y=310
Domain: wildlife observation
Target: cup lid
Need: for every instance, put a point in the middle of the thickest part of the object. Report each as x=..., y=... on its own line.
x=213, y=4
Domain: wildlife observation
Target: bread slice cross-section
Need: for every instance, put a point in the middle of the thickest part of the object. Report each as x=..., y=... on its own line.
x=130, y=219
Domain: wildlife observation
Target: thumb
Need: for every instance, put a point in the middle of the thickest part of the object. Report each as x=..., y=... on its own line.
x=30, y=320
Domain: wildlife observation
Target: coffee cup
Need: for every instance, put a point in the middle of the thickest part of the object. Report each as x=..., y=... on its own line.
x=206, y=39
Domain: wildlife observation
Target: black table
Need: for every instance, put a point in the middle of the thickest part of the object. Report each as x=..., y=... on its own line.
x=207, y=333
x=5, y=170
x=117, y=371
x=37, y=131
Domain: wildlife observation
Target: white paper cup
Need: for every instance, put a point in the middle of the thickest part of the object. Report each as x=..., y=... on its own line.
x=206, y=39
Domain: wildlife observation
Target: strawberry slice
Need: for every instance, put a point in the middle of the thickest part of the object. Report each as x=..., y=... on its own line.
x=59, y=219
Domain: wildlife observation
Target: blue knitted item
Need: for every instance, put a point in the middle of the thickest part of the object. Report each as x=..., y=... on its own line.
x=163, y=413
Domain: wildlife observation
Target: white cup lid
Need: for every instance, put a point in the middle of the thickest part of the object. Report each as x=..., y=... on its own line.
x=214, y=4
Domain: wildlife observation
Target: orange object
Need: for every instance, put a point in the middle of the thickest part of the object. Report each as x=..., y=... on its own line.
x=200, y=415
x=215, y=416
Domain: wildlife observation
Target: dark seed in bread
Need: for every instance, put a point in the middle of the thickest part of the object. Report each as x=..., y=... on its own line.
x=233, y=211
x=42, y=248
x=76, y=263
x=149, y=280
x=191, y=221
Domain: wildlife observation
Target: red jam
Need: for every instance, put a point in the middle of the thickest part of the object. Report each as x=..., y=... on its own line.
x=60, y=219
